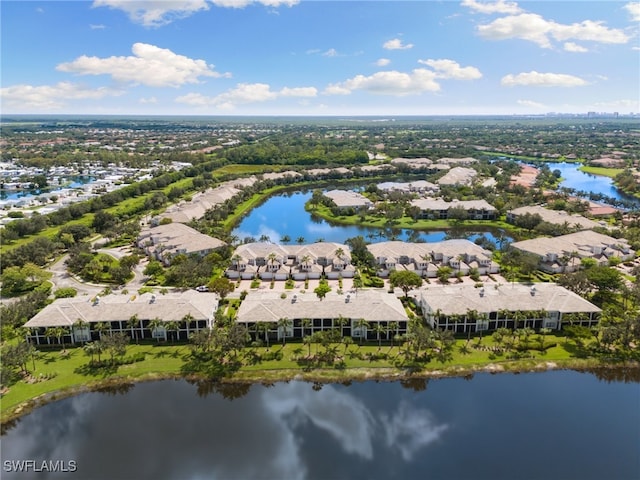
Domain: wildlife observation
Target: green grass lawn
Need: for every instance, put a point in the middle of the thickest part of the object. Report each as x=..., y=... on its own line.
x=407, y=222
x=604, y=171
x=66, y=373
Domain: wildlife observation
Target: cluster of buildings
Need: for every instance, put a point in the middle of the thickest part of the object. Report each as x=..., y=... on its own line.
x=164, y=242
x=564, y=253
x=270, y=261
x=85, y=319
x=369, y=314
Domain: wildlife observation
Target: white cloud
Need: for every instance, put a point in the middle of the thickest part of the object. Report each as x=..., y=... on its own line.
x=574, y=47
x=500, y=6
x=244, y=3
x=332, y=52
x=446, y=68
x=534, y=28
x=410, y=429
x=536, y=79
x=97, y=27
x=634, y=10
x=396, y=44
x=388, y=83
x=50, y=97
x=155, y=13
x=149, y=65
x=149, y=100
x=383, y=62
x=245, y=93
x=531, y=103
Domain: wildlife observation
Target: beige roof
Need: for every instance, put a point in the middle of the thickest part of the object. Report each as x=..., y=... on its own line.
x=557, y=217
x=314, y=250
x=169, y=307
x=176, y=237
x=347, y=198
x=580, y=242
x=372, y=305
x=457, y=299
x=458, y=175
x=440, y=204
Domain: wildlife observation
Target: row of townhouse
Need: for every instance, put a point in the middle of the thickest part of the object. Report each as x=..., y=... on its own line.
x=270, y=261
x=147, y=316
x=426, y=258
x=280, y=262
x=465, y=308
x=368, y=314
x=437, y=208
x=557, y=217
x=164, y=242
x=564, y=253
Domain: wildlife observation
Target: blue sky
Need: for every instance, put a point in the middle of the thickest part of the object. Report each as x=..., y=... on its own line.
x=289, y=57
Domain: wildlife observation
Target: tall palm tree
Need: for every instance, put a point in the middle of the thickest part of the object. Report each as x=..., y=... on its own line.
x=187, y=319
x=379, y=329
x=133, y=323
x=82, y=325
x=391, y=328
x=306, y=323
x=362, y=325
x=300, y=240
x=472, y=316
x=156, y=324
x=340, y=322
x=264, y=327
x=172, y=326
x=102, y=328
x=285, y=239
x=284, y=324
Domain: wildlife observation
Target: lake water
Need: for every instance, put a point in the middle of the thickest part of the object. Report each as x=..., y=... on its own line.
x=76, y=181
x=285, y=215
x=553, y=425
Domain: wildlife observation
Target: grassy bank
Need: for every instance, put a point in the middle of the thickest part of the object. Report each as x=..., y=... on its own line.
x=603, y=171
x=408, y=222
x=58, y=374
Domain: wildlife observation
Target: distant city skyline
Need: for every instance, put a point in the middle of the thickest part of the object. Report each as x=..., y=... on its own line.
x=290, y=57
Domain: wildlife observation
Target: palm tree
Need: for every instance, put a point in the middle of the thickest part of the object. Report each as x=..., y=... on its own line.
x=392, y=327
x=362, y=325
x=80, y=324
x=264, y=238
x=264, y=327
x=284, y=324
x=102, y=327
x=379, y=329
x=340, y=322
x=133, y=323
x=300, y=240
x=187, y=319
x=308, y=340
x=472, y=316
x=154, y=325
x=518, y=315
x=482, y=318
x=306, y=323
x=285, y=239
x=339, y=253
x=172, y=326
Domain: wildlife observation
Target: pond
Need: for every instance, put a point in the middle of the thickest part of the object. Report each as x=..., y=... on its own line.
x=552, y=425
x=285, y=215
x=599, y=185
x=75, y=181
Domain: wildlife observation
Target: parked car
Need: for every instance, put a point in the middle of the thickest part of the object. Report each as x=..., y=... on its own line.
x=202, y=288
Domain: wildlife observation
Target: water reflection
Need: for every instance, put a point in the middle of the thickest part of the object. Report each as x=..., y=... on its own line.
x=285, y=215
x=176, y=430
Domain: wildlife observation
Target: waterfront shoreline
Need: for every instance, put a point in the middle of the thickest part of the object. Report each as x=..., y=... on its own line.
x=319, y=375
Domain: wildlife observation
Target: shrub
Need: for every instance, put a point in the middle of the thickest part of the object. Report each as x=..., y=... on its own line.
x=65, y=292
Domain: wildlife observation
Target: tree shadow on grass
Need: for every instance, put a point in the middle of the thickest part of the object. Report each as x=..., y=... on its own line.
x=209, y=365
x=97, y=369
